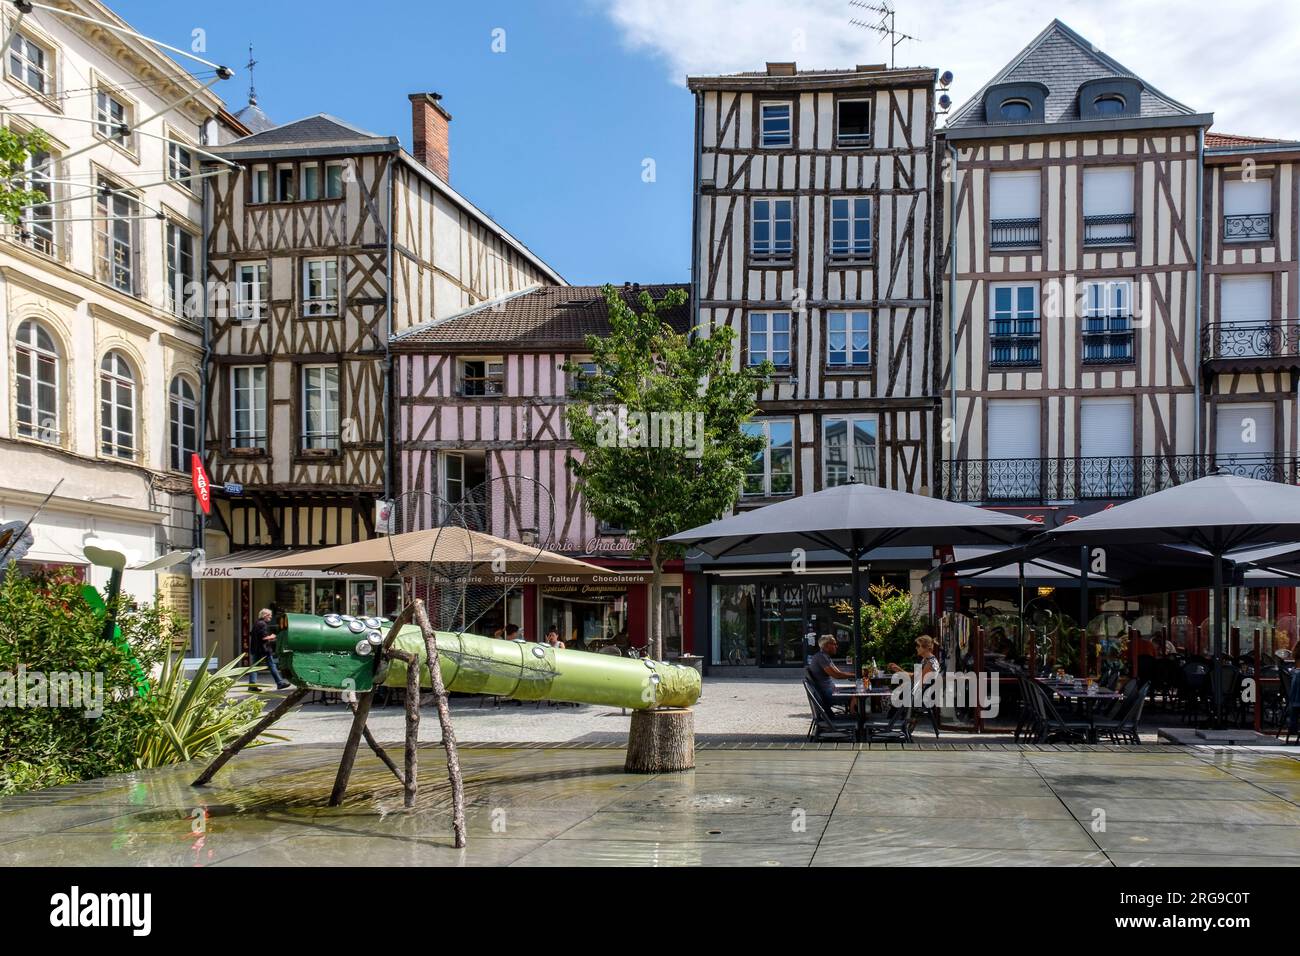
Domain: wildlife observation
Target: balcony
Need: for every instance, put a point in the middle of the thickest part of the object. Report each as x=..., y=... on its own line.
x=1107, y=340
x=1028, y=480
x=1228, y=345
x=1015, y=234
x=1256, y=227
x=1104, y=231
x=1015, y=343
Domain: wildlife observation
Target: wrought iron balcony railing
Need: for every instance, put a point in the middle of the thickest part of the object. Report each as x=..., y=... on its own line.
x=1015, y=233
x=1107, y=340
x=1116, y=230
x=1014, y=343
x=1077, y=479
x=1251, y=228
x=1247, y=340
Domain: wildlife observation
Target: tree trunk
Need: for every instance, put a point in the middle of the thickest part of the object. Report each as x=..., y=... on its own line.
x=661, y=741
x=656, y=605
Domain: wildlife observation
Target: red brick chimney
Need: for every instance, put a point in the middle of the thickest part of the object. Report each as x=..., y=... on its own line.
x=429, y=128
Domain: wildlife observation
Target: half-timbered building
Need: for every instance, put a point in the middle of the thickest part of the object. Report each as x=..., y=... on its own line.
x=328, y=240
x=481, y=419
x=813, y=229
x=1067, y=276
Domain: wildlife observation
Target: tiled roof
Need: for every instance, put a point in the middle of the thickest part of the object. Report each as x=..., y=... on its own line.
x=1061, y=60
x=1225, y=140
x=545, y=317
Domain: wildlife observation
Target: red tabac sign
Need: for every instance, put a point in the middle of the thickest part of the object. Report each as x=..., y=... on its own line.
x=202, y=487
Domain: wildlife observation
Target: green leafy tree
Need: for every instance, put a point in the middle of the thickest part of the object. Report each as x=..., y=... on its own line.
x=15, y=147
x=890, y=624
x=650, y=473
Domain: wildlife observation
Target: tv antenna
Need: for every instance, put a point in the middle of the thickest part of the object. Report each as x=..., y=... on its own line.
x=884, y=26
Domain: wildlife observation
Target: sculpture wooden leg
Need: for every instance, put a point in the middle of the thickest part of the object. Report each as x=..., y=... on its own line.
x=444, y=720
x=410, y=781
x=258, y=729
x=359, y=717
x=380, y=752
x=661, y=741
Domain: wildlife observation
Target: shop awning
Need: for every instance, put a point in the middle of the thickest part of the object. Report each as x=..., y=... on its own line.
x=237, y=564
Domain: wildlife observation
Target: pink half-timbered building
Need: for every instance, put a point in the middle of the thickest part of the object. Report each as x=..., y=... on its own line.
x=481, y=399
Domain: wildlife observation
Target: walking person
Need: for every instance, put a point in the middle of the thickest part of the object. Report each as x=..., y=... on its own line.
x=262, y=644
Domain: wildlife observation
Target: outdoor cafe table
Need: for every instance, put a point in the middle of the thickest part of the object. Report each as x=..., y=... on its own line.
x=1069, y=692
x=864, y=694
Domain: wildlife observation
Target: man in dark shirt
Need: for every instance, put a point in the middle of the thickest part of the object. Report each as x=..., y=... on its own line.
x=821, y=670
x=262, y=644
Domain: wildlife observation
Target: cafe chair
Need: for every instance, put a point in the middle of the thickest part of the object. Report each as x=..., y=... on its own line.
x=825, y=726
x=1123, y=727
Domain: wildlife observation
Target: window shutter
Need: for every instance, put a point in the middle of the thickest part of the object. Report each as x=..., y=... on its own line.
x=1234, y=425
x=1014, y=195
x=1106, y=427
x=1248, y=199
x=1246, y=299
x=1013, y=429
x=1108, y=191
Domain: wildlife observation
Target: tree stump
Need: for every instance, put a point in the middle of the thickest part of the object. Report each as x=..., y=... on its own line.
x=661, y=741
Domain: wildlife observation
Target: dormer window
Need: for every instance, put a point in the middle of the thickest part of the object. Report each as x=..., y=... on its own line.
x=1016, y=109
x=1109, y=105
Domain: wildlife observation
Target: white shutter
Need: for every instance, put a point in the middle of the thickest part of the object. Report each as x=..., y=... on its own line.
x=1106, y=427
x=1248, y=199
x=1013, y=428
x=1246, y=299
x=1014, y=195
x=1244, y=430
x=1108, y=191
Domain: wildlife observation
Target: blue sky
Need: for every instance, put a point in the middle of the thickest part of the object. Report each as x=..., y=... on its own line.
x=550, y=136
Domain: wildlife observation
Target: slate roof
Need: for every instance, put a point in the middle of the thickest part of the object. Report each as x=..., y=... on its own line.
x=311, y=130
x=254, y=118
x=543, y=318
x=1062, y=60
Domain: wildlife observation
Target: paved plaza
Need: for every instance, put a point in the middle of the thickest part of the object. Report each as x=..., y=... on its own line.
x=745, y=803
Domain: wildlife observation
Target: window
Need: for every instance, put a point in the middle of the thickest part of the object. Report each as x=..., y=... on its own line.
x=1108, y=206
x=37, y=373
x=771, y=471
x=250, y=291
x=1109, y=105
x=775, y=118
x=850, y=450
x=112, y=118
x=1015, y=109
x=769, y=338
x=116, y=407
x=853, y=123
x=29, y=64
x=1014, y=326
x=851, y=228
x=320, y=407
x=248, y=406
x=1014, y=210
x=320, y=287
x=1248, y=210
x=284, y=191
x=182, y=272
x=1014, y=469
x=259, y=185
x=333, y=180
x=1108, y=322
x=772, y=229
x=37, y=226
x=182, y=424
x=180, y=164
x=481, y=377
x=309, y=179
x=1246, y=328
x=848, y=339
x=1105, y=469
x=115, y=237
x=461, y=480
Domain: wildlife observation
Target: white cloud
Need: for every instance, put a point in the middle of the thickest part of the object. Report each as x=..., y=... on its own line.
x=1236, y=61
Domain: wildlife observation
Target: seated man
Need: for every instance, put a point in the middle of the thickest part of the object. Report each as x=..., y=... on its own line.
x=822, y=670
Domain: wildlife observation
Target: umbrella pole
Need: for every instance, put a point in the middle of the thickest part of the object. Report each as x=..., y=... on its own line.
x=1020, y=618
x=1217, y=640
x=855, y=561
x=1083, y=610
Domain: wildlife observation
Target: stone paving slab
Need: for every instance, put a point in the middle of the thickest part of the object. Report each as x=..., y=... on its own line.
x=745, y=804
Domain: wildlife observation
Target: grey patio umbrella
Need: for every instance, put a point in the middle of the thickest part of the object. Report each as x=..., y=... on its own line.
x=853, y=520
x=1219, y=514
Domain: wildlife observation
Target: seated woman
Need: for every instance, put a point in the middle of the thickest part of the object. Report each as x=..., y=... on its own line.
x=929, y=663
